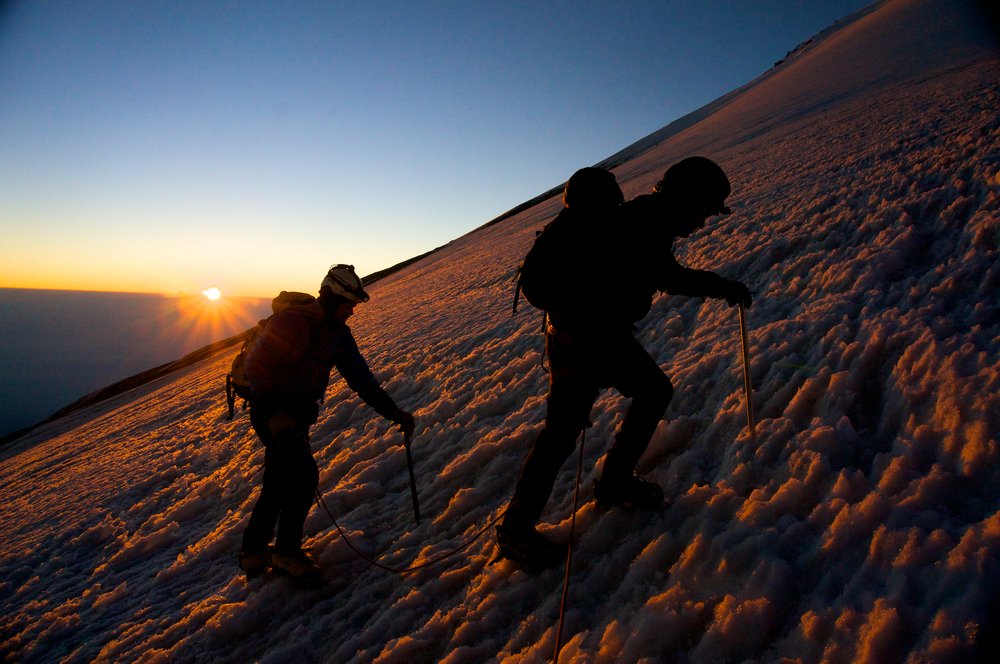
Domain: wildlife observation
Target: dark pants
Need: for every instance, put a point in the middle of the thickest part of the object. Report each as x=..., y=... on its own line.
x=579, y=369
x=286, y=494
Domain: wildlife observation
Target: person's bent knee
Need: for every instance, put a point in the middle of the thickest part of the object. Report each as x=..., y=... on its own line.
x=667, y=389
x=309, y=474
x=559, y=442
x=660, y=392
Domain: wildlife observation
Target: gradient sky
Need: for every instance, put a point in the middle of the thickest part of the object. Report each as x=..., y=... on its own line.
x=150, y=146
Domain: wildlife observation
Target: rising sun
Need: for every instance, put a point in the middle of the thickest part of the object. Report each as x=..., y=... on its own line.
x=213, y=293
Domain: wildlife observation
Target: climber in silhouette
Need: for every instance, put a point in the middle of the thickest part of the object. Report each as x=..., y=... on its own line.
x=289, y=366
x=595, y=269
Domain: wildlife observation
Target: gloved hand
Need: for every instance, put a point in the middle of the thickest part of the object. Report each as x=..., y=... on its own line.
x=737, y=293
x=282, y=425
x=405, y=421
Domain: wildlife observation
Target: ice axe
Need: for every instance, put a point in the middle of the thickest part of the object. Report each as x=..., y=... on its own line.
x=747, y=383
x=413, y=479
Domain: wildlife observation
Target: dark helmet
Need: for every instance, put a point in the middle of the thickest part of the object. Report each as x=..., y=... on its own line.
x=592, y=188
x=698, y=180
x=344, y=282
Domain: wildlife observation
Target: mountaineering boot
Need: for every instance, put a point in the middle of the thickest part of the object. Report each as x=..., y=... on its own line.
x=528, y=547
x=632, y=492
x=294, y=563
x=254, y=563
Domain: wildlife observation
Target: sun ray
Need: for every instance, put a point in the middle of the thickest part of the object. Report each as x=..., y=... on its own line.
x=198, y=319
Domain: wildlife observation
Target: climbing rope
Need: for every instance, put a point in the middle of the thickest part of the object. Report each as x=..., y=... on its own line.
x=403, y=570
x=747, y=381
x=569, y=552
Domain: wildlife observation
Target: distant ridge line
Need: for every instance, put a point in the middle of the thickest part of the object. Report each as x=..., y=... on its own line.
x=132, y=382
x=382, y=274
x=148, y=376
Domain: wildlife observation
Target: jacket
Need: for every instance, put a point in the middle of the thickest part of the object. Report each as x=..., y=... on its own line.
x=290, y=362
x=608, y=268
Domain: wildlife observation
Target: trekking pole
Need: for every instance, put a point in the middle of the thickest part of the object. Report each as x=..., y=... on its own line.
x=413, y=480
x=747, y=383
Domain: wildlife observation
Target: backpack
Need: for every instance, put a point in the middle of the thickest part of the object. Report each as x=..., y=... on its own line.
x=519, y=280
x=554, y=264
x=538, y=276
x=237, y=381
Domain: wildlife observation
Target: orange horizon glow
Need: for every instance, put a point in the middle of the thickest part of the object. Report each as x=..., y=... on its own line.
x=117, y=269
x=176, y=294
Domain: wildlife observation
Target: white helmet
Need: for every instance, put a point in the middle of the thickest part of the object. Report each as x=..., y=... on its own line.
x=343, y=281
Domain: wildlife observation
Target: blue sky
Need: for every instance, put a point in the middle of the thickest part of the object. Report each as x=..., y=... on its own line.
x=170, y=146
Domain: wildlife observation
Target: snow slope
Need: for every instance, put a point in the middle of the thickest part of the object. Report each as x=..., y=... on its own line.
x=861, y=525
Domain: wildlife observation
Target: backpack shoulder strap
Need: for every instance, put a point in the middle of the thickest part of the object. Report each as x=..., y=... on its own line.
x=518, y=276
x=517, y=289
